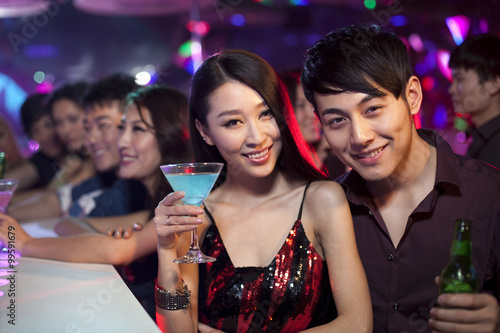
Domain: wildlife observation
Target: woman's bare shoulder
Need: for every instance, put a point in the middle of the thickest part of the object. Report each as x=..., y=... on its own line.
x=325, y=192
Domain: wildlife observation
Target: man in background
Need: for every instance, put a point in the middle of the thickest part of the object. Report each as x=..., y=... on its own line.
x=475, y=90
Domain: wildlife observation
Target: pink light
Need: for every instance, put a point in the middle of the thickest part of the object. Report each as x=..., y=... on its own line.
x=404, y=40
x=416, y=42
x=428, y=83
x=44, y=88
x=3, y=282
x=442, y=57
x=199, y=27
x=7, y=264
x=461, y=137
x=459, y=27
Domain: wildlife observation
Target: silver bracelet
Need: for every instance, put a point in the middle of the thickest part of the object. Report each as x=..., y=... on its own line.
x=172, y=300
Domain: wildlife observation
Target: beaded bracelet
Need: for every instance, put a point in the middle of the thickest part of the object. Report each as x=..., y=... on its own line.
x=172, y=300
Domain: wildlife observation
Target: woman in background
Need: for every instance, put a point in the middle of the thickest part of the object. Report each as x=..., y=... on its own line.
x=310, y=126
x=68, y=114
x=151, y=134
x=39, y=126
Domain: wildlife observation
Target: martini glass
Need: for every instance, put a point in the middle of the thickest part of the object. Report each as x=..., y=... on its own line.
x=197, y=180
x=7, y=188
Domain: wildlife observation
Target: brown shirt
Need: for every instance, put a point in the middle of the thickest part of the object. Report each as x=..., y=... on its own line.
x=401, y=279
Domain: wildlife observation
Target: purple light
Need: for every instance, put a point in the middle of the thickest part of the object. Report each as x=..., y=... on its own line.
x=41, y=51
x=33, y=146
x=459, y=27
x=421, y=68
x=442, y=57
x=461, y=137
x=440, y=117
x=3, y=282
x=398, y=20
x=483, y=26
x=7, y=264
x=416, y=42
x=238, y=20
x=44, y=88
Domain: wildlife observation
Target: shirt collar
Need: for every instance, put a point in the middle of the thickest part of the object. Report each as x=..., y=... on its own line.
x=488, y=129
x=446, y=172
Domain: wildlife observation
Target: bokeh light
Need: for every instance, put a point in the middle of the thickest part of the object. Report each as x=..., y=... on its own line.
x=370, y=4
x=459, y=27
x=461, y=137
x=39, y=76
x=238, y=20
x=440, y=118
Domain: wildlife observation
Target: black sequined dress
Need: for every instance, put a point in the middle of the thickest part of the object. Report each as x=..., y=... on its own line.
x=292, y=294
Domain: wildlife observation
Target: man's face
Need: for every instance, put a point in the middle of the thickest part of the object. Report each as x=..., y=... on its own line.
x=467, y=93
x=101, y=135
x=372, y=135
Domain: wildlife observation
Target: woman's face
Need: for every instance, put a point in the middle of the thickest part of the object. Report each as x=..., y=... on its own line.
x=243, y=129
x=43, y=131
x=68, y=118
x=309, y=124
x=140, y=156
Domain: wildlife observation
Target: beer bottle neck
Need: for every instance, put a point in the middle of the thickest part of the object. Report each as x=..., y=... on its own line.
x=461, y=245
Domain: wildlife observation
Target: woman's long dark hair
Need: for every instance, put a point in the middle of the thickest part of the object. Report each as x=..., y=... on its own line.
x=247, y=68
x=166, y=106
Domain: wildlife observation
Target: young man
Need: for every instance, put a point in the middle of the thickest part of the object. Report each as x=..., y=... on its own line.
x=406, y=187
x=103, y=195
x=475, y=90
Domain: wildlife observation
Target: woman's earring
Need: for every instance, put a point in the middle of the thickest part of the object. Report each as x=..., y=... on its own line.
x=205, y=139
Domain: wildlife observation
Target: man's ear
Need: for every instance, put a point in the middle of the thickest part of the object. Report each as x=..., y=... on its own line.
x=414, y=94
x=493, y=85
x=205, y=134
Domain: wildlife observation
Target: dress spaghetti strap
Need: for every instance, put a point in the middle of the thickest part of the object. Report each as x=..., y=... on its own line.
x=302, y=203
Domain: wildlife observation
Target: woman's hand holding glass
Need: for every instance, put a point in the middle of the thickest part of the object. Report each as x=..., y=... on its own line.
x=172, y=219
x=12, y=232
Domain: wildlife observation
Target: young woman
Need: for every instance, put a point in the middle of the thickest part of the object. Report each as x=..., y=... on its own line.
x=282, y=236
x=39, y=126
x=309, y=124
x=151, y=135
x=68, y=114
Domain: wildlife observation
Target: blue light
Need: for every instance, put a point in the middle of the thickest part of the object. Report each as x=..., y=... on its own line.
x=238, y=20
x=398, y=20
x=299, y=2
x=421, y=69
x=440, y=117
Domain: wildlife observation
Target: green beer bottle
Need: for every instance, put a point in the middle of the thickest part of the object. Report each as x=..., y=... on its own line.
x=3, y=163
x=459, y=275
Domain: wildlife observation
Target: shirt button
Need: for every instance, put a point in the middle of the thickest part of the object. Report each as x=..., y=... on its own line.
x=395, y=306
x=390, y=256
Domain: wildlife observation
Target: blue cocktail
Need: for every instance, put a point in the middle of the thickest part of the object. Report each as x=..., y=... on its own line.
x=197, y=180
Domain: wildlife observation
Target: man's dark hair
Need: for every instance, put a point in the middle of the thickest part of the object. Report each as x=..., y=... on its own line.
x=480, y=53
x=357, y=58
x=109, y=90
x=73, y=92
x=33, y=108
